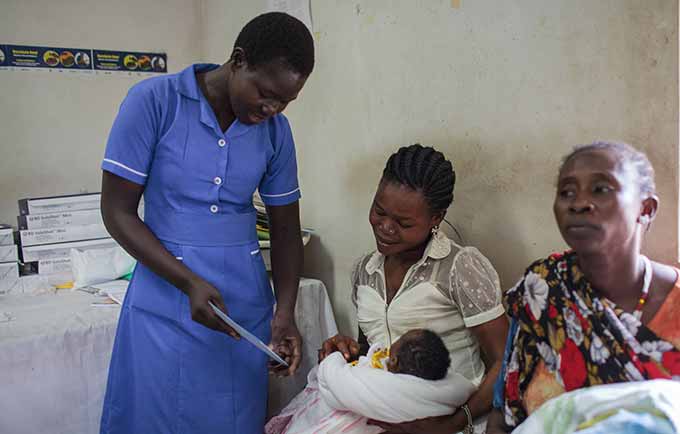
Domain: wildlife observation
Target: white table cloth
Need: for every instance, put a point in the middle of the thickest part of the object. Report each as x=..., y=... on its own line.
x=55, y=350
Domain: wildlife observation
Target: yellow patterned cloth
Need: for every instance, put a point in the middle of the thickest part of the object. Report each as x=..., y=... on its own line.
x=378, y=359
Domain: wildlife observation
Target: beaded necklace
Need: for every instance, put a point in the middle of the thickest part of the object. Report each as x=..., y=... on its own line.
x=645, y=288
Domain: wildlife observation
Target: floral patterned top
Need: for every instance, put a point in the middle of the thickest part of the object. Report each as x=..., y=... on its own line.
x=565, y=337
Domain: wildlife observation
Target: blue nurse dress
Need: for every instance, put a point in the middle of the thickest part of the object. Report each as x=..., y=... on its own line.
x=169, y=374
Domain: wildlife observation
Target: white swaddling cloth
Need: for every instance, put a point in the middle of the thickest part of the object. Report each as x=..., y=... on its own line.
x=340, y=398
x=389, y=397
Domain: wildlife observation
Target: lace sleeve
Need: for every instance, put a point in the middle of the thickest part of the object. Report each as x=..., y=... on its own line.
x=475, y=288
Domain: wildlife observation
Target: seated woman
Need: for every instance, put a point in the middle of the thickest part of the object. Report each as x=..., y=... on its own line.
x=340, y=396
x=600, y=313
x=419, y=278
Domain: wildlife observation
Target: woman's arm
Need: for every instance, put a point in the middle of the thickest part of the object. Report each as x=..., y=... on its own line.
x=473, y=271
x=491, y=336
x=495, y=423
x=287, y=257
x=119, y=203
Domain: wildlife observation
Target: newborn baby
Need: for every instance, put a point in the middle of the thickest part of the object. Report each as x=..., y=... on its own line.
x=420, y=353
x=408, y=381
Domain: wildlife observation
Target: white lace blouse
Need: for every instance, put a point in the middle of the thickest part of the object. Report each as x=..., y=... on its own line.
x=450, y=289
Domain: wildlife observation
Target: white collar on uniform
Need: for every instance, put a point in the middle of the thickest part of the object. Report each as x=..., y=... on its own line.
x=438, y=247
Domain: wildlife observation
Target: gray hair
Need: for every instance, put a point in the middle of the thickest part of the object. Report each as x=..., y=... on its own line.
x=628, y=155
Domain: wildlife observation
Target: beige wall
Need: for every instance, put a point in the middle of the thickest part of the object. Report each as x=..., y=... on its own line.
x=53, y=127
x=503, y=88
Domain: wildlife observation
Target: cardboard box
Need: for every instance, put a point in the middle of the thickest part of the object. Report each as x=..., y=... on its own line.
x=60, y=219
x=9, y=253
x=6, y=235
x=34, y=284
x=9, y=271
x=62, y=250
x=11, y=285
x=54, y=204
x=48, y=267
x=34, y=237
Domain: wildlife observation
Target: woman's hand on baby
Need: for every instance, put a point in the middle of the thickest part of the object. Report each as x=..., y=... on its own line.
x=346, y=345
x=200, y=294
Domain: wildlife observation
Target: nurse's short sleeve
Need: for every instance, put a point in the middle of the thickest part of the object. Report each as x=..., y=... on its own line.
x=279, y=185
x=133, y=136
x=475, y=288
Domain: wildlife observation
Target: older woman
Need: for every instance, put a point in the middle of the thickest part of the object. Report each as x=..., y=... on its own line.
x=602, y=312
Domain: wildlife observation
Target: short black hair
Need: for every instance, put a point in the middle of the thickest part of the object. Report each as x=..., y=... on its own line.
x=628, y=155
x=424, y=169
x=424, y=355
x=275, y=36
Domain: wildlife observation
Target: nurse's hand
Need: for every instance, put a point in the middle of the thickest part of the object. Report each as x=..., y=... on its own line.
x=346, y=345
x=200, y=293
x=287, y=342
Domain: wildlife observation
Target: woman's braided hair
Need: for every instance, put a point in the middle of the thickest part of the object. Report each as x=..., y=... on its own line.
x=424, y=169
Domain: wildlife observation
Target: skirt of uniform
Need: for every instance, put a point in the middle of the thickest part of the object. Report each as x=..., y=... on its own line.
x=169, y=374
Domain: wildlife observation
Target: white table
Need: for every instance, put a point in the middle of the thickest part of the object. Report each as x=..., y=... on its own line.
x=55, y=350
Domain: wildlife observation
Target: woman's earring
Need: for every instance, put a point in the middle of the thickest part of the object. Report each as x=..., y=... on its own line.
x=644, y=219
x=435, y=229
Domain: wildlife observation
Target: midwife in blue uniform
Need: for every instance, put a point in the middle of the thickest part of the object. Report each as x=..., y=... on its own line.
x=197, y=144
